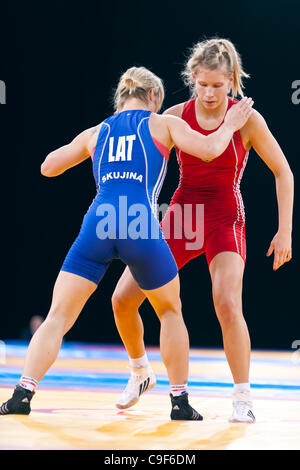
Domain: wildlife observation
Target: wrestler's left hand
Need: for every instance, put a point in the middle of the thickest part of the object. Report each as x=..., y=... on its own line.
x=281, y=245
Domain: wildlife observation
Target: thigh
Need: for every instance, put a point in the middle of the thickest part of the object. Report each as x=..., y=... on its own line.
x=150, y=261
x=89, y=255
x=184, y=232
x=227, y=237
x=77, y=262
x=226, y=271
x=70, y=294
x=166, y=298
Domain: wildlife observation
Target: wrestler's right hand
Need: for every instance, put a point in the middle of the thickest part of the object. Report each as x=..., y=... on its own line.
x=239, y=114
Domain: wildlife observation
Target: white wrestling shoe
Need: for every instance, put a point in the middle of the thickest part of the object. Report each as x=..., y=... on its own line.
x=242, y=408
x=142, y=379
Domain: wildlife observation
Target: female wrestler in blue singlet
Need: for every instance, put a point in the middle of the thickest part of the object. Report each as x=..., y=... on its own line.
x=130, y=151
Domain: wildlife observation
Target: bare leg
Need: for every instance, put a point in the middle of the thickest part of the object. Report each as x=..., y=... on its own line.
x=226, y=270
x=174, y=340
x=126, y=300
x=69, y=297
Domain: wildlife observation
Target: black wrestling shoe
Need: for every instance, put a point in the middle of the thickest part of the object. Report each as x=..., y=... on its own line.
x=182, y=410
x=19, y=403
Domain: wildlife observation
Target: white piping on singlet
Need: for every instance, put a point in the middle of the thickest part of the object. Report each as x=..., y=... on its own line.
x=161, y=176
x=102, y=152
x=238, y=197
x=158, y=185
x=146, y=160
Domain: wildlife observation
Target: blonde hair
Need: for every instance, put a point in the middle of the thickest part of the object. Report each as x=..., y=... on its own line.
x=137, y=82
x=215, y=54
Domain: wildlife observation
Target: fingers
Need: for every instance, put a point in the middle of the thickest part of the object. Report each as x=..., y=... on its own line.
x=281, y=257
x=249, y=111
x=238, y=114
x=246, y=102
x=282, y=248
x=270, y=250
x=277, y=261
x=246, y=106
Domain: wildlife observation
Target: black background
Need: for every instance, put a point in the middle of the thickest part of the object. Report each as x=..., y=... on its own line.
x=60, y=62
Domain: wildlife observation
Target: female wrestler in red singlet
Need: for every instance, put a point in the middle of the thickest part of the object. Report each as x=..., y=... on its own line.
x=213, y=70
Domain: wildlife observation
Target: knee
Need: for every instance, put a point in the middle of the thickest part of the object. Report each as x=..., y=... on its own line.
x=55, y=325
x=122, y=304
x=58, y=319
x=228, y=308
x=168, y=309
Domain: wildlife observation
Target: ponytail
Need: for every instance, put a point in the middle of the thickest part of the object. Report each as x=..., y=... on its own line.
x=137, y=82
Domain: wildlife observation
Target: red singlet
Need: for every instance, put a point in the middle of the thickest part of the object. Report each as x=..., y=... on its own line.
x=214, y=187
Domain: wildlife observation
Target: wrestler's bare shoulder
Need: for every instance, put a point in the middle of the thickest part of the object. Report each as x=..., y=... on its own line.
x=175, y=110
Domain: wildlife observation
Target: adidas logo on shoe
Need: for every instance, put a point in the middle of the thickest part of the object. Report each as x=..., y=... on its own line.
x=184, y=411
x=141, y=380
x=144, y=386
x=250, y=414
x=19, y=403
x=242, y=408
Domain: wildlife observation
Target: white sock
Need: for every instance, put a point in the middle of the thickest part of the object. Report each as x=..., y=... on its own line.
x=139, y=362
x=28, y=382
x=178, y=390
x=241, y=387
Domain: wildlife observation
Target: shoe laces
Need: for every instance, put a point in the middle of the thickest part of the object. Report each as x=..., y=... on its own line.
x=134, y=378
x=242, y=402
x=241, y=407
